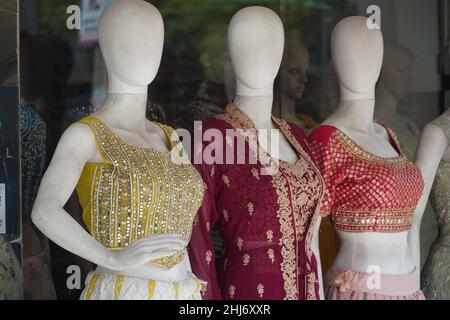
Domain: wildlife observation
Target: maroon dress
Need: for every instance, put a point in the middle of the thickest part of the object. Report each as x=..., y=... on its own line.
x=266, y=216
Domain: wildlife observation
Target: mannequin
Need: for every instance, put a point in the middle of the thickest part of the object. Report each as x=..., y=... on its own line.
x=437, y=265
x=389, y=247
x=131, y=35
x=260, y=258
x=392, y=87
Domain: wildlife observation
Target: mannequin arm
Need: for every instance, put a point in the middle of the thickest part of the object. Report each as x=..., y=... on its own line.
x=316, y=251
x=76, y=147
x=433, y=144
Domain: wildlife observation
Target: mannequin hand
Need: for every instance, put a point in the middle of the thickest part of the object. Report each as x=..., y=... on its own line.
x=145, y=250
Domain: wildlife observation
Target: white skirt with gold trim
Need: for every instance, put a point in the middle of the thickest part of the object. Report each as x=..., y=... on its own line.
x=104, y=286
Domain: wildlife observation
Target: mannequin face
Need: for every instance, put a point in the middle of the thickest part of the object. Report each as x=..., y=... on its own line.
x=395, y=73
x=256, y=41
x=294, y=69
x=357, y=54
x=131, y=36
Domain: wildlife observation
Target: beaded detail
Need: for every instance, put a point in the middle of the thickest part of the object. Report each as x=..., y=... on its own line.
x=137, y=192
x=366, y=193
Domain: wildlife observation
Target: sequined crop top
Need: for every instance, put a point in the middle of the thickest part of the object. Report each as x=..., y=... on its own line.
x=366, y=193
x=137, y=192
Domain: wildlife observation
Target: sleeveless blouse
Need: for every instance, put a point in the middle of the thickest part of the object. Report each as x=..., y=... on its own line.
x=365, y=193
x=137, y=192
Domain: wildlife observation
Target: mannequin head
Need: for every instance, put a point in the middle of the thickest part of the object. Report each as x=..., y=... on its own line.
x=395, y=73
x=131, y=37
x=256, y=41
x=357, y=55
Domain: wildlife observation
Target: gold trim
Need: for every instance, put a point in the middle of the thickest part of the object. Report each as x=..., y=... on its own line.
x=151, y=289
x=176, y=286
x=357, y=151
x=91, y=287
x=288, y=264
x=118, y=287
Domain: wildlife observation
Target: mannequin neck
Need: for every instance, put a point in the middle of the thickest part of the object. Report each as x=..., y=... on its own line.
x=347, y=94
x=245, y=91
x=117, y=86
x=126, y=110
x=359, y=114
x=258, y=109
x=386, y=105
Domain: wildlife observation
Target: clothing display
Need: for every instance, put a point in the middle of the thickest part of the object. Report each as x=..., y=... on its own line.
x=37, y=279
x=33, y=143
x=137, y=192
x=266, y=218
x=209, y=102
x=101, y=286
x=328, y=239
x=366, y=193
x=436, y=272
x=10, y=271
x=352, y=285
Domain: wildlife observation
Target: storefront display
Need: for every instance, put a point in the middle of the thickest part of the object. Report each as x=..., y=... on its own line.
x=331, y=117
x=10, y=207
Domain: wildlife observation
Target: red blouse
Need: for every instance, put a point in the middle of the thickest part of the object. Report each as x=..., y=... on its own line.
x=366, y=193
x=266, y=221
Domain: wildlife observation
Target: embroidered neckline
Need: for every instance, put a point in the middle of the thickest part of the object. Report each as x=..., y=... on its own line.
x=358, y=151
x=119, y=139
x=240, y=120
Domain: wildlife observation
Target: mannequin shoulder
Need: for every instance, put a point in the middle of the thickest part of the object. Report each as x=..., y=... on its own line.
x=79, y=140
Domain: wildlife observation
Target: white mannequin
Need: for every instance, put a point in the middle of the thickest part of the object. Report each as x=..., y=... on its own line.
x=256, y=65
x=131, y=34
x=357, y=55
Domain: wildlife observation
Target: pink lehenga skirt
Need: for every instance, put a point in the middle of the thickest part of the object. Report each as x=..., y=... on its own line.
x=347, y=284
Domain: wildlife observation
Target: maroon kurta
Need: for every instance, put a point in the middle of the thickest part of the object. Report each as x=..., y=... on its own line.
x=266, y=220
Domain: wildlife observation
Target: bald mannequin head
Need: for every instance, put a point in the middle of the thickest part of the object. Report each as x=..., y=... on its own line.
x=357, y=55
x=131, y=37
x=256, y=41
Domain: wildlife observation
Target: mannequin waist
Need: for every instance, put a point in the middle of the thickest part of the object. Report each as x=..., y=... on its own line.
x=388, y=252
x=177, y=273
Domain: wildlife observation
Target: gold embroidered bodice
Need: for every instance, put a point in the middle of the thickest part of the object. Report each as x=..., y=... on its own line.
x=137, y=192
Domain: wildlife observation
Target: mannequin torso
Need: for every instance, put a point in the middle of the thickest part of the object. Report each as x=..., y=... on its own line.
x=359, y=251
x=132, y=63
x=377, y=195
x=357, y=55
x=259, y=254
